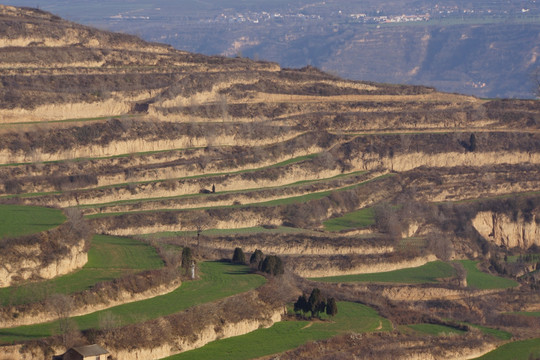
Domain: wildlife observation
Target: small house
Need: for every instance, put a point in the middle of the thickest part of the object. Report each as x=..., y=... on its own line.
x=87, y=352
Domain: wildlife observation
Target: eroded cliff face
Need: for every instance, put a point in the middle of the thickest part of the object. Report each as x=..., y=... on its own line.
x=209, y=334
x=27, y=265
x=39, y=314
x=506, y=231
x=309, y=269
x=230, y=324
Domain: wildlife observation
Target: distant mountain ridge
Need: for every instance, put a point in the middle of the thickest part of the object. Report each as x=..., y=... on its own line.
x=491, y=52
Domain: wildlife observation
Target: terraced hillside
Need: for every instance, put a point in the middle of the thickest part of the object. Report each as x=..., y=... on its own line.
x=170, y=150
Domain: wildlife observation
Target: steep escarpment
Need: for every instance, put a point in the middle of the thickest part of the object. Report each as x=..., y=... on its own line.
x=309, y=266
x=99, y=298
x=520, y=230
x=44, y=255
x=205, y=323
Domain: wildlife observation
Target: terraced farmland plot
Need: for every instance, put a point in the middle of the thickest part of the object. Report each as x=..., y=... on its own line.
x=16, y=220
x=524, y=349
x=218, y=280
x=481, y=280
x=428, y=273
x=108, y=258
x=287, y=335
x=356, y=219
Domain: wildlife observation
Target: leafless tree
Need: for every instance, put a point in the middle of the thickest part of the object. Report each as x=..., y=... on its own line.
x=108, y=321
x=386, y=220
x=77, y=222
x=461, y=273
x=440, y=244
x=62, y=306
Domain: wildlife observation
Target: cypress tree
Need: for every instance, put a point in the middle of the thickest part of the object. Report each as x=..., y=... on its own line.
x=301, y=305
x=331, y=307
x=316, y=302
x=256, y=258
x=187, y=258
x=272, y=265
x=238, y=256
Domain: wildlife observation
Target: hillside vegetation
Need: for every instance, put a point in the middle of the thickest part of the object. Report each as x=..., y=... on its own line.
x=364, y=184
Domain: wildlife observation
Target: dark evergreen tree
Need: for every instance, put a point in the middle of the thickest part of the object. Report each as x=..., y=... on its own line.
x=301, y=305
x=316, y=302
x=472, y=143
x=331, y=307
x=187, y=259
x=272, y=265
x=238, y=256
x=256, y=258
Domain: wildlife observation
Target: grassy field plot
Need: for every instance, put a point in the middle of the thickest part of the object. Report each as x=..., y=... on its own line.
x=218, y=280
x=16, y=220
x=276, y=202
x=525, y=349
x=108, y=258
x=428, y=273
x=480, y=280
x=499, y=334
x=528, y=258
x=199, y=195
x=356, y=219
x=528, y=313
x=287, y=335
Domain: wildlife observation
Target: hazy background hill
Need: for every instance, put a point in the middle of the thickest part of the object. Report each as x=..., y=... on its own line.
x=484, y=48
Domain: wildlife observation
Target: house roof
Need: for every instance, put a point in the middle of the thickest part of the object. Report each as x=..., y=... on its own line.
x=90, y=350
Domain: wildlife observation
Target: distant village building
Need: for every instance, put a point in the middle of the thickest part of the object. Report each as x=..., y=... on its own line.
x=88, y=352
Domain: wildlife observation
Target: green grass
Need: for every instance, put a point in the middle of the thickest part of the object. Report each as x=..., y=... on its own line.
x=528, y=313
x=176, y=197
x=356, y=219
x=16, y=220
x=499, y=334
x=287, y=335
x=480, y=280
x=277, y=202
x=525, y=349
x=428, y=273
x=526, y=258
x=315, y=195
x=218, y=280
x=436, y=330
x=108, y=258
x=280, y=164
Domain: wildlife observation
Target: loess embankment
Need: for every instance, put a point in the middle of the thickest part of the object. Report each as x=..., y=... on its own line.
x=521, y=230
